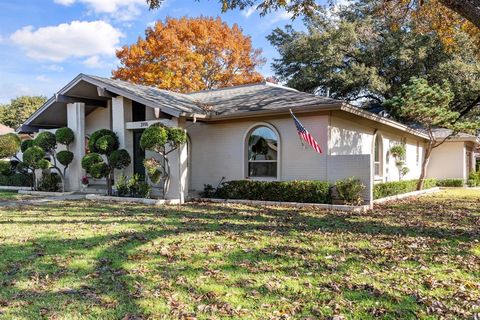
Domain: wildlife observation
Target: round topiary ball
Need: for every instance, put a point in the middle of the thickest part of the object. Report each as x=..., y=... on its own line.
x=176, y=136
x=106, y=144
x=119, y=159
x=43, y=164
x=92, y=142
x=91, y=159
x=99, y=170
x=46, y=140
x=32, y=156
x=153, y=138
x=27, y=144
x=64, y=136
x=65, y=157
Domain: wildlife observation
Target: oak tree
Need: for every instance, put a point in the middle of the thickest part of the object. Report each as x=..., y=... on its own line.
x=190, y=54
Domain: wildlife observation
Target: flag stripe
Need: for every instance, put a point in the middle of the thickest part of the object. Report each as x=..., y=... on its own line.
x=305, y=135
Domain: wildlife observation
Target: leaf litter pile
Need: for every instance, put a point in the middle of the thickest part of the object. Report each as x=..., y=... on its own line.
x=412, y=259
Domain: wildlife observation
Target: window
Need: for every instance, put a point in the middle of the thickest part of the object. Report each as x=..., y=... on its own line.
x=417, y=155
x=377, y=160
x=262, y=153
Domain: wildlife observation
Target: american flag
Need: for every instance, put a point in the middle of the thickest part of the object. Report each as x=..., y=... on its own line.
x=305, y=135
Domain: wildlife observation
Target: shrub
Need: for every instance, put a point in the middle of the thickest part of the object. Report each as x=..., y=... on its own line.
x=92, y=142
x=90, y=159
x=107, y=144
x=387, y=189
x=450, y=183
x=132, y=187
x=65, y=157
x=350, y=190
x=64, y=136
x=474, y=179
x=99, y=170
x=287, y=191
x=27, y=144
x=16, y=180
x=49, y=182
x=46, y=140
x=33, y=157
x=121, y=186
x=119, y=159
x=5, y=167
x=9, y=145
x=153, y=138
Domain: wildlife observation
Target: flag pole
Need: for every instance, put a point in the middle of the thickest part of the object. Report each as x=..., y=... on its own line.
x=301, y=141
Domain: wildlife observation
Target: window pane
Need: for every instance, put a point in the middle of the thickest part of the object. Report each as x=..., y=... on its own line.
x=262, y=169
x=262, y=144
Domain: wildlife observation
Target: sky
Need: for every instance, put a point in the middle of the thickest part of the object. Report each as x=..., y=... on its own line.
x=46, y=43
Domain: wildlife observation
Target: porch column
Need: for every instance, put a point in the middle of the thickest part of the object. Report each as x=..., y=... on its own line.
x=178, y=171
x=121, y=114
x=76, y=122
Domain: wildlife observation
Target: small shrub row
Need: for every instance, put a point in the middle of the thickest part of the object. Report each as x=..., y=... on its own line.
x=16, y=180
x=49, y=182
x=450, y=183
x=387, y=189
x=285, y=191
x=132, y=187
x=474, y=179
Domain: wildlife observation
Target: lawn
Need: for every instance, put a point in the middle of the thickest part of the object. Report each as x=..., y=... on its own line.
x=85, y=260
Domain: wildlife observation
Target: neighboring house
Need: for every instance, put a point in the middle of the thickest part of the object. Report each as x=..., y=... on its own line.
x=4, y=129
x=242, y=132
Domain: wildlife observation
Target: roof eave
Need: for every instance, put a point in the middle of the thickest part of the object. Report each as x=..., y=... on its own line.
x=392, y=123
x=259, y=113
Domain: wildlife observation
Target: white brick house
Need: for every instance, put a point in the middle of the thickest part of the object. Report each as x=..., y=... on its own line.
x=225, y=125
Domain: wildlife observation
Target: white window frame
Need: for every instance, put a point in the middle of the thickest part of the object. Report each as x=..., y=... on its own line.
x=380, y=162
x=246, y=161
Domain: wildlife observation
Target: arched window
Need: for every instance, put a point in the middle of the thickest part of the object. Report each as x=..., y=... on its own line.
x=378, y=156
x=262, y=153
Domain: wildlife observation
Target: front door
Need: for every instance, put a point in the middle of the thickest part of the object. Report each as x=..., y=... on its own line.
x=138, y=154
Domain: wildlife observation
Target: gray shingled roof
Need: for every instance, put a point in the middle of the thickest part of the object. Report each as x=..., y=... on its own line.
x=256, y=97
x=157, y=96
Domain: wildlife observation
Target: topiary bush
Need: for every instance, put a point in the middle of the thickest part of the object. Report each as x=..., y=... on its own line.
x=64, y=136
x=119, y=159
x=474, y=179
x=65, y=157
x=157, y=139
x=27, y=144
x=94, y=137
x=132, y=187
x=350, y=190
x=46, y=140
x=285, y=191
x=105, y=142
x=387, y=189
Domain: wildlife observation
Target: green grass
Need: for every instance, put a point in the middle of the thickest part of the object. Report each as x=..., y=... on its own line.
x=9, y=195
x=86, y=260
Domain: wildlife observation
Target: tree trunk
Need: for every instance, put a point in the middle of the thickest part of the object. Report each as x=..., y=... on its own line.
x=109, y=183
x=425, y=161
x=469, y=9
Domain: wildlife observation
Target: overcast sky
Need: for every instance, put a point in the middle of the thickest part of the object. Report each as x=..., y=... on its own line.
x=45, y=43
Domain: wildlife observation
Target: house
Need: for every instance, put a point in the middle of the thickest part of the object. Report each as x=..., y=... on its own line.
x=242, y=132
x=4, y=129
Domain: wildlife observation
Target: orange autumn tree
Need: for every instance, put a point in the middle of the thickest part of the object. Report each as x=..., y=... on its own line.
x=190, y=54
x=438, y=16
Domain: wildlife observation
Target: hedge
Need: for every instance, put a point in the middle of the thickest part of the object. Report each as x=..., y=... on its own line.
x=15, y=180
x=285, y=191
x=387, y=189
x=450, y=183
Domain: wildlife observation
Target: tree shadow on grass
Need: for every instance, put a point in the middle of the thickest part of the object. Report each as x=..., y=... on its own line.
x=108, y=284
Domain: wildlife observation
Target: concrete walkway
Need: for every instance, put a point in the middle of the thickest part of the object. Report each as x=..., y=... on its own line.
x=39, y=200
